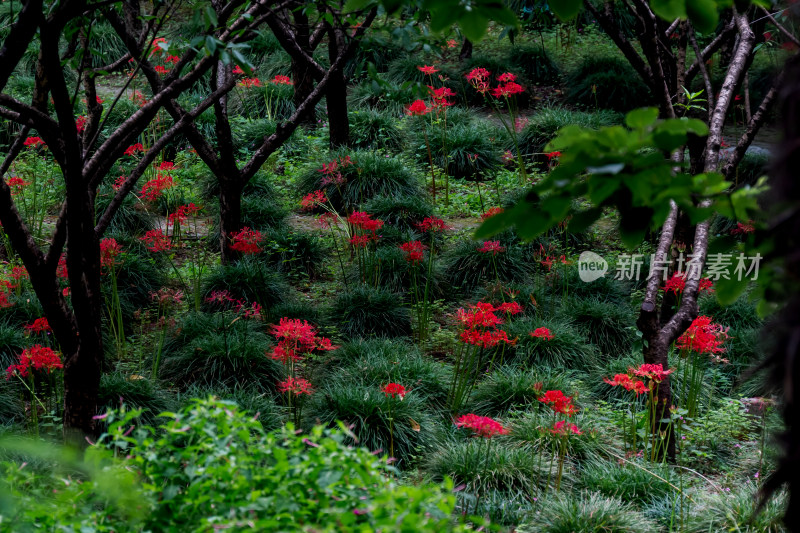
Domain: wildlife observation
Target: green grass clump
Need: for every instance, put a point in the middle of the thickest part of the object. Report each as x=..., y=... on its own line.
x=586, y=512
x=630, y=482
x=253, y=400
x=369, y=312
x=294, y=252
x=534, y=63
x=248, y=279
x=466, y=267
x=734, y=510
x=567, y=349
x=372, y=129
x=545, y=123
x=467, y=151
x=134, y=392
x=606, y=83
x=512, y=388
x=606, y=325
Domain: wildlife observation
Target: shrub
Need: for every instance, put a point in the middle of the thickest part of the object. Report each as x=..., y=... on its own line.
x=629, y=483
x=389, y=97
x=248, y=133
x=213, y=350
x=367, y=411
x=303, y=310
x=135, y=392
x=608, y=83
x=371, y=174
x=272, y=101
x=586, y=513
x=736, y=511
x=371, y=129
x=461, y=142
x=404, y=69
x=514, y=388
x=466, y=267
x=740, y=315
x=401, y=212
x=137, y=277
x=248, y=279
x=365, y=311
x=376, y=362
x=534, y=63
x=394, y=273
x=567, y=349
x=606, y=325
x=545, y=123
x=252, y=400
x=295, y=252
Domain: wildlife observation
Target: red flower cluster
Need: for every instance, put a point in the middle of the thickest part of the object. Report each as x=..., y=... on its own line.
x=183, y=213
x=512, y=308
x=152, y=190
x=80, y=123
x=295, y=339
x=651, y=372
x=161, y=70
x=312, y=200
x=432, y=225
x=509, y=89
x=130, y=150
x=491, y=247
x=492, y=211
x=250, y=82
x=440, y=96
x=362, y=222
x=394, y=390
x=677, y=283
x=332, y=173
x=743, y=229
x=40, y=325
x=109, y=250
x=418, y=107
x=247, y=241
x=558, y=402
x=167, y=298
x=33, y=141
x=166, y=165
x=156, y=241
x=542, y=333
x=414, y=251
x=296, y=386
x=481, y=426
x=703, y=336
x=562, y=428
x=481, y=324
x=479, y=79
x=626, y=382
x=281, y=80
x=425, y=69
x=36, y=357
x=16, y=184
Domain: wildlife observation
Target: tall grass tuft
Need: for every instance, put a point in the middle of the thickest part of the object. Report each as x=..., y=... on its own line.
x=369, y=312
x=586, y=512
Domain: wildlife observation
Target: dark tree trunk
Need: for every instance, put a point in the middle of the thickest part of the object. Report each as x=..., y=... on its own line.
x=230, y=216
x=301, y=74
x=336, y=96
x=466, y=50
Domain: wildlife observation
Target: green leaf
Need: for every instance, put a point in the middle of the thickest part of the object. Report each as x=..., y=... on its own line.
x=443, y=19
x=703, y=14
x=565, y=9
x=581, y=220
x=669, y=9
x=473, y=25
x=729, y=290
x=641, y=118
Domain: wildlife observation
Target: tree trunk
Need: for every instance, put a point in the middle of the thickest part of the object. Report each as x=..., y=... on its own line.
x=230, y=215
x=336, y=96
x=301, y=75
x=466, y=50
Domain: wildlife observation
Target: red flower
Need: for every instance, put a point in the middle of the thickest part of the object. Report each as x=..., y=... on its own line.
x=80, y=123
x=542, y=333
x=767, y=35
x=652, y=372
x=479, y=79
x=506, y=77
x=440, y=96
x=359, y=241
x=451, y=43
x=480, y=315
x=4, y=303
x=325, y=220
x=418, y=107
x=40, y=325
x=161, y=70
x=172, y=59
x=512, y=308
x=491, y=247
x=743, y=229
x=167, y=298
x=219, y=297
x=156, y=241
x=481, y=426
x=551, y=155
x=237, y=70
x=296, y=386
x=250, y=82
x=425, y=69
x=509, y=89
x=36, y=357
x=394, y=390
x=492, y=211
x=281, y=80
x=562, y=428
x=16, y=184
x=119, y=182
x=558, y=402
x=312, y=200
x=548, y=262
x=414, y=251
x=247, y=241
x=296, y=338
x=109, y=250
x=152, y=190
x=433, y=225
x=166, y=165
x=706, y=285
x=485, y=339
x=33, y=141
x=676, y=284
x=130, y=150
x=703, y=336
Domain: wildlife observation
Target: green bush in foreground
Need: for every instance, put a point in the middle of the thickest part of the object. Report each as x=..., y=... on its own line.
x=212, y=467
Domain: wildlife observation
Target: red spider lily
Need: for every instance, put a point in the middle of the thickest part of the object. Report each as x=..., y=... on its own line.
x=33, y=141
x=172, y=59
x=512, y=308
x=703, y=336
x=542, y=333
x=551, y=155
x=40, y=325
x=281, y=80
x=743, y=229
x=652, y=372
x=394, y=390
x=451, y=43
x=506, y=77
x=706, y=285
x=36, y=357
x=296, y=338
x=312, y=200
x=558, y=402
x=119, y=182
x=480, y=315
x=4, y=302
x=152, y=190
x=425, y=69
x=562, y=428
x=675, y=284
x=166, y=297
x=507, y=157
x=520, y=123
x=247, y=241
x=109, y=250
x=548, y=262
x=491, y=247
x=161, y=70
x=414, y=251
x=359, y=241
x=440, y=96
x=250, y=82
x=364, y=221
x=188, y=210
x=252, y=310
x=509, y=89
x=481, y=426
x=332, y=172
x=485, y=339
x=237, y=70
x=767, y=35
x=296, y=386
x=418, y=107
x=130, y=150
x=432, y=225
x=16, y=184
x=626, y=381
x=61, y=269
x=325, y=220
x=156, y=241
x=166, y=165
x=80, y=123
x=737, y=98
x=219, y=297
x=479, y=79
x=492, y=211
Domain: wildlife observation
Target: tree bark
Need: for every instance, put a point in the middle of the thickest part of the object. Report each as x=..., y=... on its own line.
x=301, y=73
x=466, y=50
x=230, y=215
x=336, y=96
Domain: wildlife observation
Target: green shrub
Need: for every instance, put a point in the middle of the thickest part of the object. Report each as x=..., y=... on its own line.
x=466, y=267
x=461, y=142
x=400, y=212
x=567, y=349
x=545, y=123
x=404, y=69
x=365, y=311
x=609, y=326
x=740, y=315
x=629, y=482
x=272, y=101
x=372, y=174
x=371, y=129
x=395, y=274
x=252, y=400
x=295, y=252
x=135, y=392
x=586, y=513
x=734, y=510
x=389, y=97
x=303, y=310
x=534, y=63
x=248, y=279
x=214, y=350
x=368, y=413
x=607, y=83
x=249, y=133
x=514, y=388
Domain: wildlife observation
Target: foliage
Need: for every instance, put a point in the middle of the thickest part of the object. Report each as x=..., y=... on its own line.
x=372, y=129
x=586, y=513
x=631, y=482
x=466, y=267
x=534, y=63
x=735, y=510
x=567, y=349
x=544, y=125
x=365, y=311
x=295, y=252
x=512, y=388
x=606, y=325
x=608, y=83
x=400, y=212
x=134, y=392
x=457, y=150
x=248, y=279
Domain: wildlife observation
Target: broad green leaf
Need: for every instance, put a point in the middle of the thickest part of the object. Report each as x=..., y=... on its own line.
x=581, y=220
x=729, y=290
x=670, y=9
x=641, y=118
x=473, y=25
x=565, y=9
x=703, y=14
